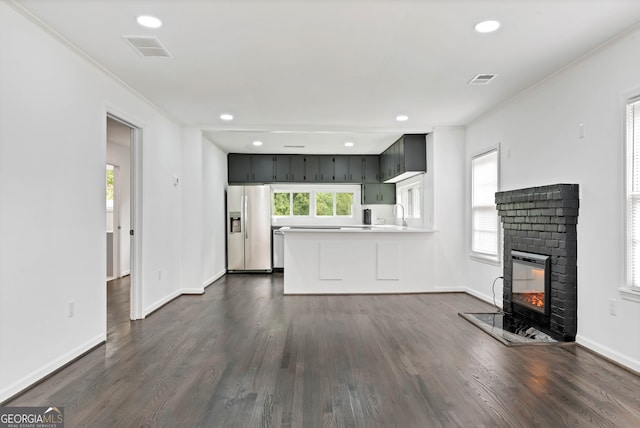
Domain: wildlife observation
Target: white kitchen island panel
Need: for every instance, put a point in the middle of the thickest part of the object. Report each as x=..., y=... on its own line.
x=340, y=262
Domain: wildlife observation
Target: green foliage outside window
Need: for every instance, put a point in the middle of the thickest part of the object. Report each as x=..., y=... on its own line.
x=344, y=202
x=324, y=204
x=281, y=204
x=110, y=188
x=301, y=203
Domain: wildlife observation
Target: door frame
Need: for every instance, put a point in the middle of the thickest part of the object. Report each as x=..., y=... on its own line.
x=136, y=310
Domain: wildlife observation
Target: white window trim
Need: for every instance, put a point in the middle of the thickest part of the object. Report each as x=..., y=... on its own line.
x=628, y=291
x=413, y=183
x=476, y=255
x=312, y=218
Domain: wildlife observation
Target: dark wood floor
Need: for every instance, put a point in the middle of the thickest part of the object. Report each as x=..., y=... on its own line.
x=244, y=356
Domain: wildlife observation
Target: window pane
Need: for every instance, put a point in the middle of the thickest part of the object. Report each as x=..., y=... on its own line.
x=324, y=204
x=484, y=176
x=109, y=187
x=281, y=204
x=301, y=203
x=344, y=203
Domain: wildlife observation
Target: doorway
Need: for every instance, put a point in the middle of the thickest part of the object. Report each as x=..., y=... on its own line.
x=122, y=184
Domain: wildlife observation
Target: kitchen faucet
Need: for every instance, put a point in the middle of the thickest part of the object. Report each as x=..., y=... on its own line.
x=395, y=212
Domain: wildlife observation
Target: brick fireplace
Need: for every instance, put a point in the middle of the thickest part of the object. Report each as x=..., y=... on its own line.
x=541, y=222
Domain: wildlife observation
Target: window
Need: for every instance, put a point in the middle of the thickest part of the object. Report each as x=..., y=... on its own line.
x=325, y=204
x=409, y=197
x=484, y=216
x=109, y=183
x=633, y=193
x=301, y=204
x=284, y=203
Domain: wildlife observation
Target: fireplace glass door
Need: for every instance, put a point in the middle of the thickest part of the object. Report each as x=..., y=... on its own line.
x=529, y=281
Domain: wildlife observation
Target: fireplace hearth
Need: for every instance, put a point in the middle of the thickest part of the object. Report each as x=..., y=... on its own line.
x=540, y=257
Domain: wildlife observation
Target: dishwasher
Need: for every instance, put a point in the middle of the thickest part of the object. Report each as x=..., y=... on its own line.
x=278, y=249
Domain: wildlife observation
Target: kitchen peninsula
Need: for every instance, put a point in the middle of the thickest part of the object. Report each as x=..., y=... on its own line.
x=358, y=260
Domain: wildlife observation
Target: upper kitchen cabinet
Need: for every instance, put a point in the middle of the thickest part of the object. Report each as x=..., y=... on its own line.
x=370, y=169
x=404, y=158
x=244, y=168
x=341, y=169
x=319, y=169
x=262, y=168
x=355, y=164
x=282, y=168
x=378, y=194
x=296, y=168
x=239, y=168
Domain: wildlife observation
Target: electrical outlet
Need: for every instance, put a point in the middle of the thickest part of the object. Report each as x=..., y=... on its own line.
x=71, y=308
x=612, y=306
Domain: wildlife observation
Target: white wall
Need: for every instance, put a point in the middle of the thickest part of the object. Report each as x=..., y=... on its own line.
x=446, y=175
x=53, y=107
x=214, y=178
x=120, y=155
x=539, y=135
x=191, y=216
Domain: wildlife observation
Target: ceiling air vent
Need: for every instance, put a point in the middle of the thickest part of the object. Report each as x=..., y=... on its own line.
x=293, y=147
x=148, y=46
x=482, y=79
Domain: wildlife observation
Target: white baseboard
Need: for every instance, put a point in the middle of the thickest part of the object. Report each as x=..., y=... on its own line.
x=214, y=278
x=125, y=273
x=37, y=375
x=609, y=353
x=451, y=289
x=192, y=291
x=157, y=305
x=484, y=297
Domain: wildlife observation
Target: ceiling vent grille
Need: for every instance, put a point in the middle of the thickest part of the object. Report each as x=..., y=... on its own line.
x=294, y=147
x=482, y=79
x=148, y=46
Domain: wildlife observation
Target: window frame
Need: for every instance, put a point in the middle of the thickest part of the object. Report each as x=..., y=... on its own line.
x=415, y=184
x=629, y=290
x=496, y=258
x=312, y=217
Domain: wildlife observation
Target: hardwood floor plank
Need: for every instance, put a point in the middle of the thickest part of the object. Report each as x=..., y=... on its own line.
x=244, y=355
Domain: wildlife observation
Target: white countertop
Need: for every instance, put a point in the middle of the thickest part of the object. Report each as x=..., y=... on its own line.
x=387, y=228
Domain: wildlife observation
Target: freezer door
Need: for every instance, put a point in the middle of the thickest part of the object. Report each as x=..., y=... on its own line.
x=257, y=247
x=235, y=228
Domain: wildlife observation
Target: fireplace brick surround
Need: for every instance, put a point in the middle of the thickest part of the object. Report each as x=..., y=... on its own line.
x=543, y=220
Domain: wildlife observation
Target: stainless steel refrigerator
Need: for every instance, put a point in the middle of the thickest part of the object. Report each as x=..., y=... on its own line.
x=248, y=228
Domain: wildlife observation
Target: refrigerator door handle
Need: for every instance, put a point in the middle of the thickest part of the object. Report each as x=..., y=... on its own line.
x=246, y=204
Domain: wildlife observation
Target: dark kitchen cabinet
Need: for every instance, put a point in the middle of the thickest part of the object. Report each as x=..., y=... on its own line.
x=371, y=169
x=407, y=154
x=356, y=164
x=311, y=169
x=282, y=168
x=326, y=169
x=341, y=172
x=261, y=168
x=296, y=168
x=319, y=169
x=239, y=168
x=378, y=194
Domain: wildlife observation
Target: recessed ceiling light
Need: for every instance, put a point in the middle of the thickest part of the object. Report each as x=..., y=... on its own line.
x=348, y=144
x=402, y=118
x=257, y=143
x=149, y=21
x=226, y=116
x=487, y=26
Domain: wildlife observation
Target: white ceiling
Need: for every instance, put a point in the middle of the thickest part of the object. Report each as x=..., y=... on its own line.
x=321, y=72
